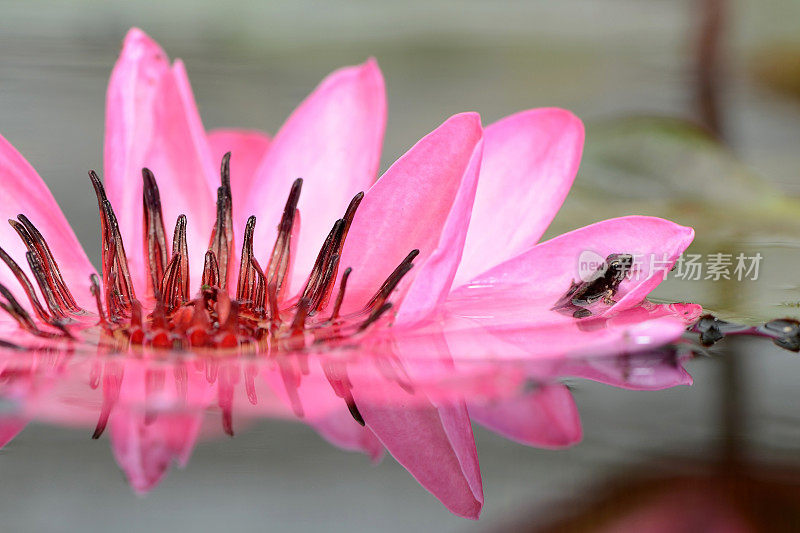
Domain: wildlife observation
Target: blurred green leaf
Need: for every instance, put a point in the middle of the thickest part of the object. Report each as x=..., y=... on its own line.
x=671, y=168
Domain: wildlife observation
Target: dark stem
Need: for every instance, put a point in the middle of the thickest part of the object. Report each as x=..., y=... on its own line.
x=709, y=71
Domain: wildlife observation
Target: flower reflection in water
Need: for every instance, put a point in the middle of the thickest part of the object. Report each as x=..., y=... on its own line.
x=375, y=355
x=407, y=388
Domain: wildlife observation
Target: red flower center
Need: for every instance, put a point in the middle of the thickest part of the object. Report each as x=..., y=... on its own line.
x=257, y=316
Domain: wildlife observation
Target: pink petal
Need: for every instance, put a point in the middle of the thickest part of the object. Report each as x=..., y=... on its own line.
x=423, y=202
x=434, y=276
x=431, y=438
x=341, y=430
x=546, y=417
x=247, y=148
x=435, y=445
x=152, y=121
x=525, y=288
x=10, y=427
x=23, y=191
x=530, y=160
x=157, y=417
x=146, y=449
x=333, y=141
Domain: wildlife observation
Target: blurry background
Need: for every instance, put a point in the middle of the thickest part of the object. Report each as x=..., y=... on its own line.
x=610, y=61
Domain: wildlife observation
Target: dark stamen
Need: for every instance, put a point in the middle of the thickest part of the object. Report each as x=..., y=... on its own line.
x=115, y=262
x=53, y=272
x=349, y=215
x=278, y=265
x=155, y=239
x=246, y=274
x=26, y=286
x=299, y=321
x=180, y=249
x=123, y=284
x=210, y=270
x=18, y=313
x=325, y=285
x=259, y=295
x=222, y=235
x=375, y=315
x=340, y=296
x=37, y=269
x=45, y=282
x=391, y=282
x=323, y=275
x=95, y=288
x=354, y=412
x=10, y=345
x=272, y=300
x=314, y=287
x=169, y=285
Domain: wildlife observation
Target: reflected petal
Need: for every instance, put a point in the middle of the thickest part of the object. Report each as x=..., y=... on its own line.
x=146, y=448
x=643, y=371
x=434, y=443
x=10, y=427
x=490, y=339
x=545, y=418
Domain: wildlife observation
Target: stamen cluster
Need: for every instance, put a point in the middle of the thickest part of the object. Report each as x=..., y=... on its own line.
x=257, y=316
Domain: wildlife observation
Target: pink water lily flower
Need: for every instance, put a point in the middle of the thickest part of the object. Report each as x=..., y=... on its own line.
x=291, y=246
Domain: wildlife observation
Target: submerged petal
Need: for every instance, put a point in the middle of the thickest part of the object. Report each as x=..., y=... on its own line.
x=430, y=435
x=530, y=160
x=333, y=141
x=422, y=202
x=340, y=429
x=520, y=336
x=23, y=191
x=434, y=443
x=10, y=427
x=156, y=418
x=152, y=121
x=310, y=395
x=547, y=417
x=645, y=371
x=146, y=449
